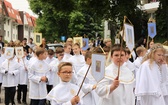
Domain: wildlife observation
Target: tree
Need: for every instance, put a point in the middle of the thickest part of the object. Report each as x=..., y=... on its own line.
x=71, y=17
x=162, y=20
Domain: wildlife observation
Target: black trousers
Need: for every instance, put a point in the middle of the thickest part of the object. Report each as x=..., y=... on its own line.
x=22, y=89
x=49, y=87
x=9, y=95
x=37, y=102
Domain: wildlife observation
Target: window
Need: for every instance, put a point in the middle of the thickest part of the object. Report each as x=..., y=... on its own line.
x=9, y=10
x=8, y=22
x=12, y=11
x=8, y=33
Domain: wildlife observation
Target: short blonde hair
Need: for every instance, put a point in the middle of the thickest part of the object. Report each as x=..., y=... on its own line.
x=106, y=40
x=140, y=49
x=69, y=40
x=62, y=64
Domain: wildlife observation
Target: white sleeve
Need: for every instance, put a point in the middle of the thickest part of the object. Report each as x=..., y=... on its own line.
x=32, y=76
x=103, y=88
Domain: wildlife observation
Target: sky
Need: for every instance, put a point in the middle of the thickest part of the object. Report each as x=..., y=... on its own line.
x=21, y=5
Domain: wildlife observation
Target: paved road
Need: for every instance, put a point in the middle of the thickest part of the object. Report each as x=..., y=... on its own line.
x=2, y=98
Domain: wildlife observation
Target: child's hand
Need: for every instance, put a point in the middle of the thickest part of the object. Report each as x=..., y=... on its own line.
x=94, y=87
x=75, y=100
x=115, y=84
x=44, y=79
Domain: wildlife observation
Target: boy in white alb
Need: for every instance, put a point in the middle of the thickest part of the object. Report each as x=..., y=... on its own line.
x=10, y=71
x=67, y=51
x=48, y=60
x=115, y=90
x=23, y=79
x=2, y=59
x=38, y=77
x=141, y=51
x=54, y=79
x=77, y=59
x=91, y=97
x=65, y=92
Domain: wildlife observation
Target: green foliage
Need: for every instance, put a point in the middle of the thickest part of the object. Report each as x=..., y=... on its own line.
x=71, y=17
x=162, y=21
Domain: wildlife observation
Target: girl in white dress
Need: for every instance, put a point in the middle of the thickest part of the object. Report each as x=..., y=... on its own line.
x=150, y=78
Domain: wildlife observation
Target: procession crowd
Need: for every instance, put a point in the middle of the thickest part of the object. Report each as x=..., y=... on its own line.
x=138, y=77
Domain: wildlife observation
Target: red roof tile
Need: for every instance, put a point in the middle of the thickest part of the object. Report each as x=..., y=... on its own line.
x=28, y=19
x=33, y=20
x=1, y=8
x=18, y=19
x=9, y=9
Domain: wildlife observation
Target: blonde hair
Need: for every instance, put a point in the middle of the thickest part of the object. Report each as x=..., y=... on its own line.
x=62, y=64
x=106, y=40
x=140, y=49
x=150, y=55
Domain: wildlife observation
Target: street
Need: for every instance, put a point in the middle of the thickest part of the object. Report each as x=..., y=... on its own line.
x=2, y=98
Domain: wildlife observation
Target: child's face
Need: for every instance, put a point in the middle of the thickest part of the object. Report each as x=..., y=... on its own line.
x=127, y=56
x=50, y=56
x=67, y=49
x=76, y=50
x=144, y=53
x=116, y=57
x=60, y=56
x=151, y=44
x=43, y=56
x=65, y=73
x=158, y=56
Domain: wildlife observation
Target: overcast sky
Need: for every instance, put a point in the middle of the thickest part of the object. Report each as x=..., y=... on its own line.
x=21, y=5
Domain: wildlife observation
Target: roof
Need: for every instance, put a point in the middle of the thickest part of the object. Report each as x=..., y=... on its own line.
x=33, y=20
x=28, y=18
x=17, y=17
x=1, y=9
x=9, y=9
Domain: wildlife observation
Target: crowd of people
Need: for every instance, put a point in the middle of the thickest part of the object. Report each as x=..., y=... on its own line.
x=138, y=77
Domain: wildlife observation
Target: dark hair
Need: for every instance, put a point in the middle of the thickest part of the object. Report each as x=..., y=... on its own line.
x=31, y=39
x=59, y=50
x=97, y=50
x=127, y=51
x=117, y=47
x=50, y=52
x=24, y=38
x=88, y=55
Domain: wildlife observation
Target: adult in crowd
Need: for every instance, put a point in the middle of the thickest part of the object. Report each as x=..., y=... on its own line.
x=31, y=44
x=44, y=44
x=24, y=44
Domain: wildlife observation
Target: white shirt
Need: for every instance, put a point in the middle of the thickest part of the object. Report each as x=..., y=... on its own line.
x=123, y=94
x=38, y=88
x=66, y=57
x=77, y=61
x=12, y=68
x=149, y=84
x=23, y=71
x=91, y=97
x=63, y=93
